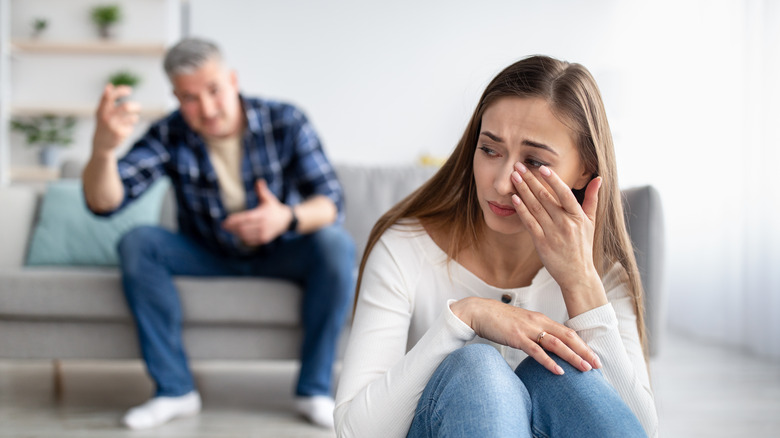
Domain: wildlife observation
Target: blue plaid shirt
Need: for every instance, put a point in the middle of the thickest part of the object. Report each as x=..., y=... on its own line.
x=280, y=146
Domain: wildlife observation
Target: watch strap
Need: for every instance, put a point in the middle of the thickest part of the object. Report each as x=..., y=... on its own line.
x=294, y=221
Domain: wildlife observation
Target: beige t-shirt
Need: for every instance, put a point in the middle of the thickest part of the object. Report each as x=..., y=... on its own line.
x=225, y=155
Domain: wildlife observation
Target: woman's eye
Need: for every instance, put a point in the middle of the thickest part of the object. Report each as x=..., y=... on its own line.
x=489, y=152
x=534, y=163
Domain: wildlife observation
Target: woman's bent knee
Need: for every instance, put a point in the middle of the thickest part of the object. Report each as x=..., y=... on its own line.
x=477, y=365
x=534, y=375
x=474, y=389
x=591, y=403
x=475, y=354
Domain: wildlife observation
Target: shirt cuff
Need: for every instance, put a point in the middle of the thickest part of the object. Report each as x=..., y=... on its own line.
x=460, y=329
x=595, y=322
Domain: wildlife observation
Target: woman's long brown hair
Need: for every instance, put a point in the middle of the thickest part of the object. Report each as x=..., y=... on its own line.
x=448, y=201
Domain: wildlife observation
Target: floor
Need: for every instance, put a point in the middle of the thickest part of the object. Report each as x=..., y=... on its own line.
x=701, y=391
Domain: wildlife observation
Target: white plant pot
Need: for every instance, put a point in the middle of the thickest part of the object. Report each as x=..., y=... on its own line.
x=49, y=155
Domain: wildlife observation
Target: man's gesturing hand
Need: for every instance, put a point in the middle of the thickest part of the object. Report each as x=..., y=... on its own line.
x=263, y=223
x=114, y=121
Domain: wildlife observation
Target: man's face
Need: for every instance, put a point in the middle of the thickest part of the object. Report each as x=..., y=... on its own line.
x=208, y=99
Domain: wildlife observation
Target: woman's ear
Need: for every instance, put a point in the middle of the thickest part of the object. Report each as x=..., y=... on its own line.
x=583, y=180
x=581, y=184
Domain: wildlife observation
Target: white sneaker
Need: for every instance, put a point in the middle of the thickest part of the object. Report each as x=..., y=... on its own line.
x=317, y=409
x=160, y=410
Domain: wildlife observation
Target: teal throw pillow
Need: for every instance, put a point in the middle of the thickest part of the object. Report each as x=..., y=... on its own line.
x=67, y=233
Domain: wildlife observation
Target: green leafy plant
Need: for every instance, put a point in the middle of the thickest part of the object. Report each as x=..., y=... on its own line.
x=103, y=15
x=46, y=130
x=125, y=77
x=106, y=16
x=39, y=25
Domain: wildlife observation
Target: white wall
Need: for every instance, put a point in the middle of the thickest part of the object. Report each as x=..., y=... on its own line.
x=385, y=82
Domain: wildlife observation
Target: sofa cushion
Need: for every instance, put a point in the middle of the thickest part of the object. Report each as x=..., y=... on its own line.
x=370, y=191
x=96, y=294
x=68, y=234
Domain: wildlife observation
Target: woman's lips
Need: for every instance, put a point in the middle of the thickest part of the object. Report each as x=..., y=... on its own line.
x=501, y=210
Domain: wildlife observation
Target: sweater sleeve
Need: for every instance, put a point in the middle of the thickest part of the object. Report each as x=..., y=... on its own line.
x=611, y=332
x=381, y=383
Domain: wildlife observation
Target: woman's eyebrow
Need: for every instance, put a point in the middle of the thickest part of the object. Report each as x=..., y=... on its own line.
x=539, y=145
x=534, y=144
x=492, y=136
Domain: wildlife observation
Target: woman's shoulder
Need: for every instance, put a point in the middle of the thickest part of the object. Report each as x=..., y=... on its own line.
x=406, y=233
x=408, y=239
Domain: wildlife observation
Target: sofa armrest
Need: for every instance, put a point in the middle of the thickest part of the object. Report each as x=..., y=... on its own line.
x=645, y=222
x=19, y=208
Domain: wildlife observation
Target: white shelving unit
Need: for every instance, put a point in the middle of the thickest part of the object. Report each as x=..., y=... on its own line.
x=62, y=72
x=76, y=110
x=97, y=47
x=5, y=35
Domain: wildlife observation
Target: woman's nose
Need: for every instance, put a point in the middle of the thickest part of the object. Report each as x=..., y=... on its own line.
x=503, y=181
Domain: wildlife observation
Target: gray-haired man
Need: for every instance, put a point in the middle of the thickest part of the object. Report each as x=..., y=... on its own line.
x=256, y=196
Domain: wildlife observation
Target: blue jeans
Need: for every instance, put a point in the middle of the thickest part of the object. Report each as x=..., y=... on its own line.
x=474, y=393
x=321, y=262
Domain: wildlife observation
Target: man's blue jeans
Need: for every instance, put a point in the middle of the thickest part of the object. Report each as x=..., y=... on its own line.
x=321, y=262
x=474, y=393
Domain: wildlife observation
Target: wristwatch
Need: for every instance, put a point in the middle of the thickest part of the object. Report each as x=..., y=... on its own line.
x=294, y=221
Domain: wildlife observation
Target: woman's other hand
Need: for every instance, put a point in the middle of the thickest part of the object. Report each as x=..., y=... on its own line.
x=562, y=232
x=520, y=328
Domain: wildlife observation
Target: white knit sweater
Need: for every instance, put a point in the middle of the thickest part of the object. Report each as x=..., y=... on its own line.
x=404, y=328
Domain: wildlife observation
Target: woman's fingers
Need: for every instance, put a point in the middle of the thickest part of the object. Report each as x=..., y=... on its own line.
x=565, y=196
x=528, y=219
x=553, y=344
x=530, y=331
x=537, y=352
x=576, y=348
x=533, y=195
x=591, y=201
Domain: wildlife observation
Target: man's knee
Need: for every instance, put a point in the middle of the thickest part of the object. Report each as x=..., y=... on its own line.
x=333, y=240
x=138, y=243
x=333, y=250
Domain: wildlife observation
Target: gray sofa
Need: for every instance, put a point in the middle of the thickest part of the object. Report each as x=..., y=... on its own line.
x=79, y=312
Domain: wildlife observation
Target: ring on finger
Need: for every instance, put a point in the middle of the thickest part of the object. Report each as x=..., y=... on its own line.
x=540, y=336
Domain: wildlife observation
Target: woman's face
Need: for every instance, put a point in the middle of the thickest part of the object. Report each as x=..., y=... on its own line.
x=525, y=130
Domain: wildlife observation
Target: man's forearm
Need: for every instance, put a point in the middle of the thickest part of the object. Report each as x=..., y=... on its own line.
x=315, y=213
x=103, y=188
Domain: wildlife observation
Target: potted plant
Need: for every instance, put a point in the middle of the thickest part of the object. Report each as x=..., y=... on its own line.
x=49, y=131
x=105, y=17
x=125, y=77
x=38, y=26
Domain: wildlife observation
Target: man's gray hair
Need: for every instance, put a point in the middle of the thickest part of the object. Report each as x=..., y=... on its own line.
x=189, y=55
